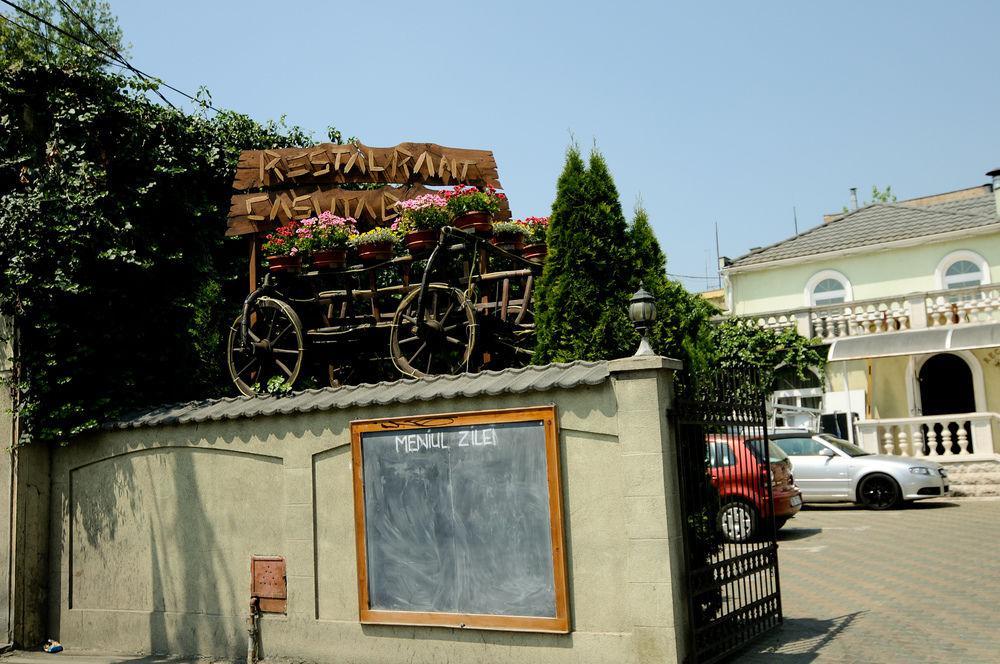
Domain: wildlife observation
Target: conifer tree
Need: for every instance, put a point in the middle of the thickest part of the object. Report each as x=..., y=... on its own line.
x=682, y=318
x=582, y=299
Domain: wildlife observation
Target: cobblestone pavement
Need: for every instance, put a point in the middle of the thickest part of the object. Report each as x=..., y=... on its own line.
x=920, y=584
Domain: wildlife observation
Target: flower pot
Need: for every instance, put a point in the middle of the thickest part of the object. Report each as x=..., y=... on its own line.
x=375, y=252
x=475, y=222
x=535, y=252
x=508, y=241
x=284, y=263
x=329, y=259
x=420, y=242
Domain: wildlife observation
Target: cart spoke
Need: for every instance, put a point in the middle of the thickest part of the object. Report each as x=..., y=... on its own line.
x=408, y=340
x=282, y=333
x=253, y=335
x=447, y=312
x=419, y=351
x=453, y=340
x=270, y=324
x=285, y=351
x=283, y=367
x=247, y=366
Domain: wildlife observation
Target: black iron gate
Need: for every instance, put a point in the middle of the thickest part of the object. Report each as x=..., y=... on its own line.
x=726, y=497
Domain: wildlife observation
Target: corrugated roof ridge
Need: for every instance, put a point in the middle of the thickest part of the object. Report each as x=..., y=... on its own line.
x=309, y=400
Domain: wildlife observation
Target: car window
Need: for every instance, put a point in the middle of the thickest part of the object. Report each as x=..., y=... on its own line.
x=799, y=446
x=720, y=454
x=844, y=446
x=775, y=453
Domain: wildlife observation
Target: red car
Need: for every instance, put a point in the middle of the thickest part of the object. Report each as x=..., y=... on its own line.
x=738, y=474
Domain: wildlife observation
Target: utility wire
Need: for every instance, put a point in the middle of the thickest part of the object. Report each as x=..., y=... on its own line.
x=110, y=59
x=50, y=40
x=118, y=56
x=691, y=276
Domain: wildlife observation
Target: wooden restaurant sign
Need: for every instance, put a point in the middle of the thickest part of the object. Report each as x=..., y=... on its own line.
x=280, y=185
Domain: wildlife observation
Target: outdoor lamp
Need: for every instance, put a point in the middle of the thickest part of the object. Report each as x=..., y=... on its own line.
x=642, y=311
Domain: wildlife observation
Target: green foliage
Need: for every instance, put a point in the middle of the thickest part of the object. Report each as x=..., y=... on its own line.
x=735, y=343
x=582, y=298
x=509, y=228
x=682, y=318
x=878, y=196
x=38, y=43
x=377, y=235
x=885, y=196
x=114, y=266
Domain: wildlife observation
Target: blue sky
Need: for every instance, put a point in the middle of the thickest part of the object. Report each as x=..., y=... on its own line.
x=712, y=112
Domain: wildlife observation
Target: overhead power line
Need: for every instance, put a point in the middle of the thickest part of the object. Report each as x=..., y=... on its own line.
x=116, y=60
x=117, y=56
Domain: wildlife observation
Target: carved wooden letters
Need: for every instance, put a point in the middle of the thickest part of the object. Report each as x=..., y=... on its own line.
x=302, y=182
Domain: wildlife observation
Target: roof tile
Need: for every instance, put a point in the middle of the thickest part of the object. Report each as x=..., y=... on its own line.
x=879, y=223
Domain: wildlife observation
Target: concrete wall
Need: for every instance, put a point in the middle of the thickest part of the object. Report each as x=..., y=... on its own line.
x=152, y=532
x=887, y=273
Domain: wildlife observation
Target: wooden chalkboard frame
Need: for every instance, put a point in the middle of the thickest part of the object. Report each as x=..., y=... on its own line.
x=546, y=414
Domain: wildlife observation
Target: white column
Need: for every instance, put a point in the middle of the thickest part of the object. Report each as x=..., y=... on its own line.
x=917, y=309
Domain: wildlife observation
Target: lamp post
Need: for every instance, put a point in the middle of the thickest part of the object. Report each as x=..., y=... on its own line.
x=642, y=312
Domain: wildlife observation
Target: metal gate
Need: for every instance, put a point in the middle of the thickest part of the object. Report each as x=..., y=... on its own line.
x=725, y=481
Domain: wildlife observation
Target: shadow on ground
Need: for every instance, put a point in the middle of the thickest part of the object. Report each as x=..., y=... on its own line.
x=792, y=534
x=851, y=507
x=797, y=640
x=32, y=657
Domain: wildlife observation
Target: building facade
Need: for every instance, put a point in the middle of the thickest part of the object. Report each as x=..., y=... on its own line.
x=906, y=298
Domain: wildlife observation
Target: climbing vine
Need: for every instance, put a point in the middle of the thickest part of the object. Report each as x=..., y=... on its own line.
x=113, y=264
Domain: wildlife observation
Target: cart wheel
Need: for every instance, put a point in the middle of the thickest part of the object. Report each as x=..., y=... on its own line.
x=274, y=347
x=340, y=374
x=440, y=344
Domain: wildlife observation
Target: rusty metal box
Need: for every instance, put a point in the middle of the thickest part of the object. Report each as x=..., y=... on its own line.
x=267, y=582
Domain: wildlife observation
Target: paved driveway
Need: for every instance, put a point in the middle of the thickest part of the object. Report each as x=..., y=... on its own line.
x=921, y=584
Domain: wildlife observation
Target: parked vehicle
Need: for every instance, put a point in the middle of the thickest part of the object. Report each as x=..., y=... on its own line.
x=740, y=473
x=829, y=469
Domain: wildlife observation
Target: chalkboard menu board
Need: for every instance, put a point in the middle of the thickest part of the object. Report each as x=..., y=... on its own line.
x=459, y=521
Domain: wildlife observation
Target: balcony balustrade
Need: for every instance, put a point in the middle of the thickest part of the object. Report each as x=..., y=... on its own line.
x=958, y=437
x=917, y=311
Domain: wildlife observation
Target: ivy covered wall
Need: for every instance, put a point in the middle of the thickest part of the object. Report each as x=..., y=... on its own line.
x=113, y=262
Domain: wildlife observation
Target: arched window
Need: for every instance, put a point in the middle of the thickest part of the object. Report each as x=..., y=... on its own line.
x=828, y=287
x=829, y=291
x=962, y=269
x=962, y=274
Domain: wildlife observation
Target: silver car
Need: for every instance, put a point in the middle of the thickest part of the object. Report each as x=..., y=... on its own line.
x=828, y=469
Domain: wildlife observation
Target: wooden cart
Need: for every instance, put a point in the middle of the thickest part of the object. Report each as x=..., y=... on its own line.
x=465, y=307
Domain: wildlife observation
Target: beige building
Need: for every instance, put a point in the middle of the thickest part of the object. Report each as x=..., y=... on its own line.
x=906, y=298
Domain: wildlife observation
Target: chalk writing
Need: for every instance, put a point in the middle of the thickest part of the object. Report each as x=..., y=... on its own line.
x=444, y=440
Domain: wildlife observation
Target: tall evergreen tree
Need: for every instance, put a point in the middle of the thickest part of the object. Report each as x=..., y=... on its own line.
x=680, y=314
x=582, y=298
x=682, y=318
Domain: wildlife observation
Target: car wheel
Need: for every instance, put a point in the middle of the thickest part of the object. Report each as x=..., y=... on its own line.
x=878, y=492
x=738, y=522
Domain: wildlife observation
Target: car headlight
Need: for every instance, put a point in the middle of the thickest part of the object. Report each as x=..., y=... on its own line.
x=920, y=470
